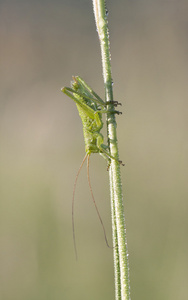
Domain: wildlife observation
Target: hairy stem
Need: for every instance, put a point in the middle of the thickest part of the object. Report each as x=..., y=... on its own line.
x=121, y=266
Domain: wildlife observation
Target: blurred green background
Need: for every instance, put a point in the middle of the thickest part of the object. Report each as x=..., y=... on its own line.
x=44, y=43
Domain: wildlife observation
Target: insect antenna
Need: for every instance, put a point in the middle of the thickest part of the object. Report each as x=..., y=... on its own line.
x=89, y=182
x=73, y=196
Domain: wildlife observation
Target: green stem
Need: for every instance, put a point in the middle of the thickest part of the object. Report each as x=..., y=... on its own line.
x=121, y=265
x=115, y=243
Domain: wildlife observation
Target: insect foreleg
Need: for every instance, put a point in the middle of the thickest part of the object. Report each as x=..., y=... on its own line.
x=103, y=148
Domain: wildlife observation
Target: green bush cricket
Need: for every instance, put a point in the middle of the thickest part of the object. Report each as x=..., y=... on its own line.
x=90, y=107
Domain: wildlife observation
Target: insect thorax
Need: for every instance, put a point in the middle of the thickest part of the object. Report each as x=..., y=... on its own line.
x=91, y=131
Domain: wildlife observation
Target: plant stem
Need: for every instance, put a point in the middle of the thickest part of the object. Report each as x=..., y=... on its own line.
x=121, y=265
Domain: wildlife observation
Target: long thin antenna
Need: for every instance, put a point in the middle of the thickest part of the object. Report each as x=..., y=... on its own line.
x=95, y=202
x=74, y=189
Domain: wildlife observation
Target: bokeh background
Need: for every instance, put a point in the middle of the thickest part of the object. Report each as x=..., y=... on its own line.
x=42, y=44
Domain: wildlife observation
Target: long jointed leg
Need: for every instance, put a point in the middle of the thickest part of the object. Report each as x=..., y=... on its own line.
x=103, y=150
